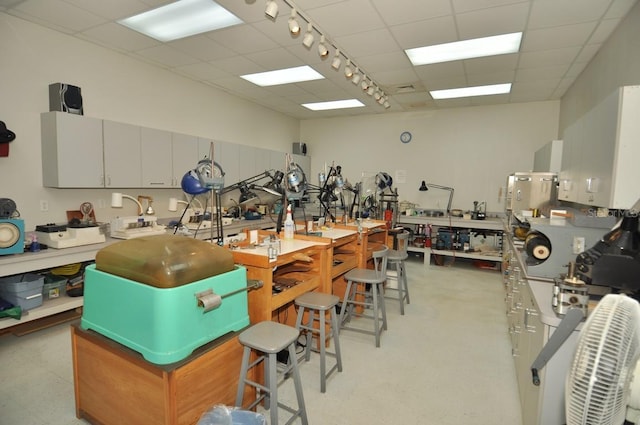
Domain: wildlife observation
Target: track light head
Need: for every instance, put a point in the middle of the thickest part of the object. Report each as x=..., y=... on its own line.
x=336, y=61
x=348, y=72
x=371, y=90
x=294, y=26
x=364, y=85
x=307, y=40
x=322, y=49
x=356, y=76
x=271, y=10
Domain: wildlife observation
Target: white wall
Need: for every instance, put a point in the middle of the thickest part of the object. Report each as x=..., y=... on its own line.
x=114, y=87
x=470, y=149
x=616, y=64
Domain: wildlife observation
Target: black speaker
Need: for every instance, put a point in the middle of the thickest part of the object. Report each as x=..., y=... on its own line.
x=300, y=148
x=65, y=98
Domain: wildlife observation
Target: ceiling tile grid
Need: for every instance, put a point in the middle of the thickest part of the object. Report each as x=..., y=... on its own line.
x=559, y=38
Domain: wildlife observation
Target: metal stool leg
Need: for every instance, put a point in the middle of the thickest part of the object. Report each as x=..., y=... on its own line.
x=307, y=350
x=243, y=376
x=302, y=410
x=336, y=339
x=404, y=279
x=382, y=306
x=345, y=303
x=271, y=381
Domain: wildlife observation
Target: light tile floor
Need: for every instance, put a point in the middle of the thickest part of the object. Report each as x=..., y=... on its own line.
x=446, y=361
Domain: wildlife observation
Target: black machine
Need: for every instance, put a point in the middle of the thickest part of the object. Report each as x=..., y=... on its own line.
x=614, y=261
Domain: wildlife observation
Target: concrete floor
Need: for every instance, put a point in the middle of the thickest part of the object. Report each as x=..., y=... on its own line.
x=446, y=361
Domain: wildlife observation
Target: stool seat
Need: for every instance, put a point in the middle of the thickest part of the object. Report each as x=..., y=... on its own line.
x=319, y=303
x=396, y=255
x=317, y=300
x=269, y=337
x=362, y=276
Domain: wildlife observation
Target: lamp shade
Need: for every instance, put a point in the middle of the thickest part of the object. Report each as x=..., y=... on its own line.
x=191, y=184
x=423, y=187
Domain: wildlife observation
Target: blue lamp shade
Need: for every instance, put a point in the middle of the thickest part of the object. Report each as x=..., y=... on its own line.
x=191, y=184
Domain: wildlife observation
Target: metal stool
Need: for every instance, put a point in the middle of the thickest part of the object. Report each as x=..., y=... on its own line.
x=320, y=303
x=268, y=338
x=396, y=258
x=374, y=279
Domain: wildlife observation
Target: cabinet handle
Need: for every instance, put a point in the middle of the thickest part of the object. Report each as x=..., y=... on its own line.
x=529, y=312
x=156, y=183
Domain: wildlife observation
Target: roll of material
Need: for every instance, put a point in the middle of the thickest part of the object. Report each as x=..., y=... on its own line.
x=537, y=246
x=209, y=301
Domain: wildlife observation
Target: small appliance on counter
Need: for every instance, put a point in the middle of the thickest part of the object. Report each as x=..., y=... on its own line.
x=11, y=228
x=61, y=236
x=136, y=227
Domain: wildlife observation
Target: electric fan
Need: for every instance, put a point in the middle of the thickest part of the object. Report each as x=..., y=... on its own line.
x=598, y=383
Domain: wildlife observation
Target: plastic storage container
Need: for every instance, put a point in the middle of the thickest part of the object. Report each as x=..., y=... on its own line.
x=23, y=290
x=54, y=286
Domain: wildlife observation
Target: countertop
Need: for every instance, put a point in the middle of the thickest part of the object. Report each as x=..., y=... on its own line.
x=490, y=223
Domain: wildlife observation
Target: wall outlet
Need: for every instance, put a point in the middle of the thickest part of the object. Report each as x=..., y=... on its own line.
x=578, y=244
x=44, y=205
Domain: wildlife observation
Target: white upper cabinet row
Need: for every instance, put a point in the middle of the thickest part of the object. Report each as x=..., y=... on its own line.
x=85, y=152
x=600, y=153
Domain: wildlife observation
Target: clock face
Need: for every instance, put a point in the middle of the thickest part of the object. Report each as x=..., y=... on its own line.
x=405, y=137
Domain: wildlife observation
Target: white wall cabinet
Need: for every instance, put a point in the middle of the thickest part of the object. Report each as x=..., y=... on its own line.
x=156, y=158
x=122, y=154
x=66, y=138
x=599, y=158
x=184, y=152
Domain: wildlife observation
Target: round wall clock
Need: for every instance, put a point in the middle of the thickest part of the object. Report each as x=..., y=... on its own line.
x=405, y=137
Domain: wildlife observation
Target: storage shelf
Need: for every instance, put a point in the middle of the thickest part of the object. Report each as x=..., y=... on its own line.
x=493, y=225
x=48, y=308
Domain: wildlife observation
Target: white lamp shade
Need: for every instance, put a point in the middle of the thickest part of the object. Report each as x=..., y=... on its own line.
x=173, y=204
x=116, y=200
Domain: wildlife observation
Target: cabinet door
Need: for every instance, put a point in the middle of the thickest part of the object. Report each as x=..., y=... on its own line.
x=156, y=161
x=569, y=176
x=598, y=147
x=65, y=138
x=122, y=155
x=184, y=150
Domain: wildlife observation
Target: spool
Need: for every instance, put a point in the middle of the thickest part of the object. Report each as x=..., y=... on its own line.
x=537, y=246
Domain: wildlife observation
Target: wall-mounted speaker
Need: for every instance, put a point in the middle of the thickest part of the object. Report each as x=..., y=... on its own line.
x=11, y=236
x=300, y=148
x=65, y=98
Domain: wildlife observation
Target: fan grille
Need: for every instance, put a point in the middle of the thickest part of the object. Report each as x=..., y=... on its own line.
x=608, y=348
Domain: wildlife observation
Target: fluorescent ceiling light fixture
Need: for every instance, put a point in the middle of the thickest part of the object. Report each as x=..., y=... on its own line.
x=466, y=49
x=334, y=104
x=181, y=19
x=283, y=76
x=471, y=91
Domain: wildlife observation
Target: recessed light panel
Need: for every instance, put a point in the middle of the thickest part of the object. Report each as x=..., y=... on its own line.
x=466, y=49
x=283, y=76
x=334, y=104
x=471, y=91
x=181, y=19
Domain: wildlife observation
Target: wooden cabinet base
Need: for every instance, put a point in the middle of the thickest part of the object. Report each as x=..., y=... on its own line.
x=115, y=385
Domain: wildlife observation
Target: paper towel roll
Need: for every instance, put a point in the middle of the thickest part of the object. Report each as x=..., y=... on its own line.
x=209, y=301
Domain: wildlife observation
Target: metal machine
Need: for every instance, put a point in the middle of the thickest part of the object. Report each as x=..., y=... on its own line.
x=530, y=190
